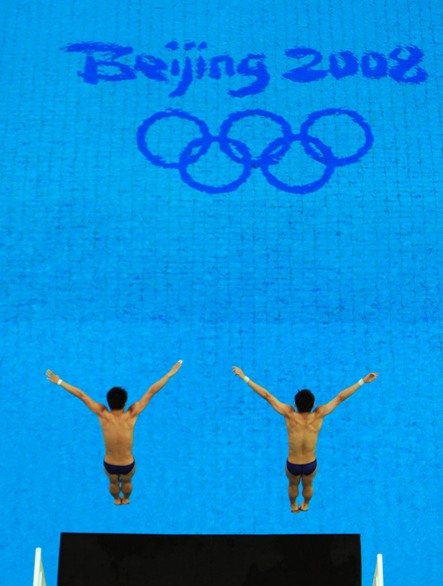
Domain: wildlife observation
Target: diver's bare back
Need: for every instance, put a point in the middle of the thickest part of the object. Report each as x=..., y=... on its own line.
x=303, y=430
x=118, y=434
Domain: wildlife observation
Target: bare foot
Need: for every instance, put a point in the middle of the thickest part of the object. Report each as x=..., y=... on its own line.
x=125, y=501
x=118, y=501
x=304, y=507
x=295, y=508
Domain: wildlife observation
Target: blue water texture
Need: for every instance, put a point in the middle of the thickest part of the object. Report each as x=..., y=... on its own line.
x=127, y=245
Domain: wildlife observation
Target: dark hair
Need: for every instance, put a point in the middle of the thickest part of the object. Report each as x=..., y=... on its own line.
x=117, y=398
x=304, y=401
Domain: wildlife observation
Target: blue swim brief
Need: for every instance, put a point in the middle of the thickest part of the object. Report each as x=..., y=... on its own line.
x=301, y=469
x=120, y=470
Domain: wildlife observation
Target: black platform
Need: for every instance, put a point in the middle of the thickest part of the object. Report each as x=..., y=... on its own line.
x=94, y=559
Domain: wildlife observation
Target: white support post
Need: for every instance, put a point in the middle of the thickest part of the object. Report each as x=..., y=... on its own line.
x=39, y=574
x=378, y=574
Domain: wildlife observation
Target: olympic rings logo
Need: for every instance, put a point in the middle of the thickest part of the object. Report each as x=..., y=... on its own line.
x=241, y=154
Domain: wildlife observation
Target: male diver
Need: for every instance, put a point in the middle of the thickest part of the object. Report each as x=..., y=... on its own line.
x=303, y=426
x=118, y=430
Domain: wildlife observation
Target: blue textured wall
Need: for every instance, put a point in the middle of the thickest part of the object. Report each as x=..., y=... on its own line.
x=114, y=267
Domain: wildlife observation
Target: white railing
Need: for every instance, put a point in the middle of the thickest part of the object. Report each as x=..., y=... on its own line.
x=378, y=574
x=39, y=574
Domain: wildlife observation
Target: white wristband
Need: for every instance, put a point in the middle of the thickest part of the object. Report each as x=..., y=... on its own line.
x=246, y=379
x=361, y=382
x=59, y=382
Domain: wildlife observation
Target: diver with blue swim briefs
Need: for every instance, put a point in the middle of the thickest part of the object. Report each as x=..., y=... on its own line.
x=301, y=469
x=119, y=470
x=118, y=430
x=303, y=426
